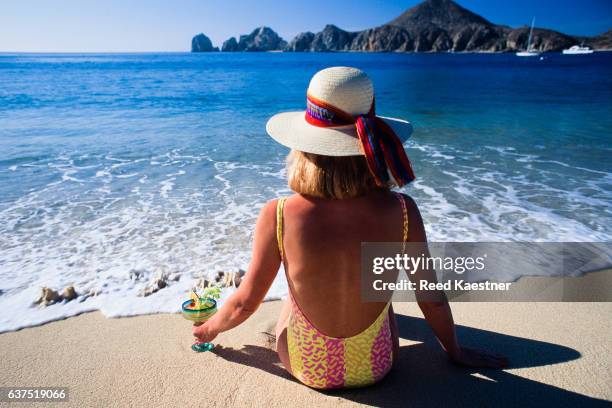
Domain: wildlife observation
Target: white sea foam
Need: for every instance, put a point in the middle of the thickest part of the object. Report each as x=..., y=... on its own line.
x=474, y=201
x=97, y=239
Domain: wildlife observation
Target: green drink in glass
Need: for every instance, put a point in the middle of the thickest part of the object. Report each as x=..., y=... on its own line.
x=198, y=310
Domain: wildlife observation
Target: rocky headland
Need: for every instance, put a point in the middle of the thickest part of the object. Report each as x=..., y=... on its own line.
x=431, y=26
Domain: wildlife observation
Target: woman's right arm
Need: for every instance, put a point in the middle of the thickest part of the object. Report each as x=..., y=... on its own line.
x=263, y=268
x=434, y=304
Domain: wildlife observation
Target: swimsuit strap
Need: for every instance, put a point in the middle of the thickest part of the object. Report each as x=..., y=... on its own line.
x=280, y=205
x=402, y=201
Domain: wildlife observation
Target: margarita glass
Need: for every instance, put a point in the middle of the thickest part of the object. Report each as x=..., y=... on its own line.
x=199, y=310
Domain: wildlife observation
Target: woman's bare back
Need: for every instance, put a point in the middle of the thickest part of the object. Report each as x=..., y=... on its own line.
x=322, y=240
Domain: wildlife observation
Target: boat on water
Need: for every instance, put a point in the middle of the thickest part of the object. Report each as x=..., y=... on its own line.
x=528, y=51
x=577, y=49
x=527, y=54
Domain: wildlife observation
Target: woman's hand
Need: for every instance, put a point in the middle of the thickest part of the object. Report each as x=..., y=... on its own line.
x=203, y=334
x=468, y=357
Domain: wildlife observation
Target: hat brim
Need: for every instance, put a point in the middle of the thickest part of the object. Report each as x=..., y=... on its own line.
x=291, y=129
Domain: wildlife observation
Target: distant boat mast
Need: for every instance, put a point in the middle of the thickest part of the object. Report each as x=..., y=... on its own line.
x=530, y=34
x=528, y=51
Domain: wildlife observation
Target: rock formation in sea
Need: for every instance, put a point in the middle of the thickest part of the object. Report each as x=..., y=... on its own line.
x=431, y=26
x=261, y=39
x=201, y=43
x=301, y=42
x=230, y=45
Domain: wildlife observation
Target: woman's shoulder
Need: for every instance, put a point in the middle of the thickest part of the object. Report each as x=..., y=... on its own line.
x=269, y=209
x=410, y=203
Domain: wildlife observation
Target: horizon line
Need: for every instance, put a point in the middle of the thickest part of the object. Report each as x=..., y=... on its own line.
x=4, y=53
x=259, y=26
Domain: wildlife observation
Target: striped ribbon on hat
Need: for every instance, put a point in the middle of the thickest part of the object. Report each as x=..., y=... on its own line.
x=382, y=148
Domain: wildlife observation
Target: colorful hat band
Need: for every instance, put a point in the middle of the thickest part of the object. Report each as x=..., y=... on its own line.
x=382, y=148
x=322, y=114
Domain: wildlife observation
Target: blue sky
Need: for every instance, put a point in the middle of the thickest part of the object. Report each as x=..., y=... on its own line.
x=167, y=25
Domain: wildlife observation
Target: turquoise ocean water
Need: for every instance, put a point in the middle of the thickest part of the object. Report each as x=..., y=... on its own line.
x=118, y=168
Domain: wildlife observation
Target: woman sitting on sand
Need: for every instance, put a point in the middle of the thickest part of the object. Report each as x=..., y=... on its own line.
x=343, y=162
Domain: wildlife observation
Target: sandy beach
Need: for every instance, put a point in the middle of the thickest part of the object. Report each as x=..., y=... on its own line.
x=559, y=352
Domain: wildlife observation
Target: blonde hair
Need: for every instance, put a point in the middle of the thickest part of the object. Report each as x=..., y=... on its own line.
x=329, y=176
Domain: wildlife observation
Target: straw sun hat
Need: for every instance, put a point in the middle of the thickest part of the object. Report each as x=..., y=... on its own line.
x=345, y=92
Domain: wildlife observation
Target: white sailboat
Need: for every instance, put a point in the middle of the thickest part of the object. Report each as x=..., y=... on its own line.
x=577, y=49
x=529, y=52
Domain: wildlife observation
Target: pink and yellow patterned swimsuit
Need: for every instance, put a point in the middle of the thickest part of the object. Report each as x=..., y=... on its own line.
x=326, y=362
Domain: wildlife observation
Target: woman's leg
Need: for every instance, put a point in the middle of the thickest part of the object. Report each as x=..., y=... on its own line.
x=394, y=334
x=281, y=335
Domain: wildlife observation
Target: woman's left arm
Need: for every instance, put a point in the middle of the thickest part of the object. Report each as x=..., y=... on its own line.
x=263, y=268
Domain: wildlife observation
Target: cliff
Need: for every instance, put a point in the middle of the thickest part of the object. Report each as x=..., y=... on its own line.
x=431, y=26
